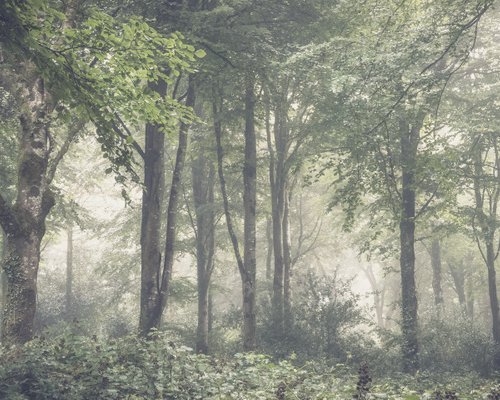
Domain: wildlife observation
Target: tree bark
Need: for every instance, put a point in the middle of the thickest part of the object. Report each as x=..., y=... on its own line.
x=436, y=274
x=487, y=225
x=409, y=320
x=269, y=253
x=68, y=305
x=287, y=261
x=24, y=222
x=152, y=200
x=3, y=280
x=249, y=231
x=247, y=263
x=203, y=196
x=155, y=278
x=492, y=290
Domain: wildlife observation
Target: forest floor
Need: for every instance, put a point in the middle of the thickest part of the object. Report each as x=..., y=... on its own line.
x=77, y=367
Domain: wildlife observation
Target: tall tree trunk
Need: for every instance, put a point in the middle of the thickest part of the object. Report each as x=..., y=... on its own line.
x=486, y=235
x=247, y=263
x=409, y=321
x=68, y=304
x=24, y=223
x=277, y=184
x=492, y=290
x=436, y=274
x=3, y=280
x=249, y=235
x=155, y=278
x=203, y=196
x=152, y=200
x=287, y=261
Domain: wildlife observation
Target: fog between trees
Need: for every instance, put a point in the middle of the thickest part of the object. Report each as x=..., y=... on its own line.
x=314, y=180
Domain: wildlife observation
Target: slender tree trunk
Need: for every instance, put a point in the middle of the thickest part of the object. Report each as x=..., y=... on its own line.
x=247, y=263
x=203, y=196
x=172, y=208
x=155, y=279
x=436, y=274
x=287, y=261
x=269, y=253
x=249, y=204
x=277, y=182
x=68, y=306
x=3, y=280
x=152, y=199
x=210, y=311
x=409, y=321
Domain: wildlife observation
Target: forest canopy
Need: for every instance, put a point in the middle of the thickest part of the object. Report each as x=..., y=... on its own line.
x=305, y=191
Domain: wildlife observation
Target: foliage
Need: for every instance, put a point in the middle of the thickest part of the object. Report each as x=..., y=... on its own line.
x=99, y=67
x=455, y=343
x=326, y=322
x=68, y=366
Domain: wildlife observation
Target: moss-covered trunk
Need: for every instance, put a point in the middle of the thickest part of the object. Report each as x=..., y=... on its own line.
x=24, y=221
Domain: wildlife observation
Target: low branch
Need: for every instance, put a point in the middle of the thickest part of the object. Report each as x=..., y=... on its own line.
x=74, y=130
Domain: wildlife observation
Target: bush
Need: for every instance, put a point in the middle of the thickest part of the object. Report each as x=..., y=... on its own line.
x=327, y=323
x=454, y=343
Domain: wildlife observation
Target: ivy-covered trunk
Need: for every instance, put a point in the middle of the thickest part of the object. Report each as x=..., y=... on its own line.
x=409, y=136
x=24, y=222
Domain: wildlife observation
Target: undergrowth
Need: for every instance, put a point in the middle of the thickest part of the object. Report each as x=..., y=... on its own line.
x=77, y=367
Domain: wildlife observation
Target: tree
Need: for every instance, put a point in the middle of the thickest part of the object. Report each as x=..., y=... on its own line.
x=62, y=71
x=393, y=108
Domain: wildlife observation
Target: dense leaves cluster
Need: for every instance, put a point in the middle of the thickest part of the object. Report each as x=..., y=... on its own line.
x=74, y=367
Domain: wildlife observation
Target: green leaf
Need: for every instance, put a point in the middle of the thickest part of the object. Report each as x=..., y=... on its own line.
x=200, y=53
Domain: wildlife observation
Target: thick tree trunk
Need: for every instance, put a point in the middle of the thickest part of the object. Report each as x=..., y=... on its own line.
x=269, y=253
x=436, y=274
x=492, y=290
x=249, y=203
x=409, y=321
x=24, y=223
x=68, y=305
x=152, y=199
x=202, y=328
x=487, y=232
